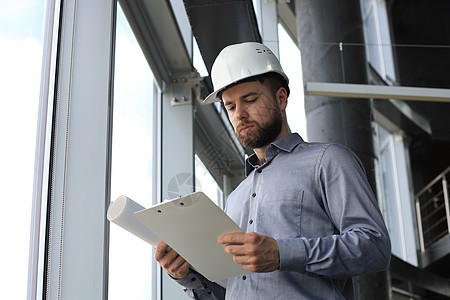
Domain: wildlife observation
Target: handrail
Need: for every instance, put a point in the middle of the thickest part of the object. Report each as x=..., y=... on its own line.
x=430, y=220
x=433, y=181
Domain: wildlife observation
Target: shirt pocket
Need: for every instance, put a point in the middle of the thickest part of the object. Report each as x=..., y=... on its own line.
x=280, y=216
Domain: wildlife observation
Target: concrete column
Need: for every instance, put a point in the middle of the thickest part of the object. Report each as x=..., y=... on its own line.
x=322, y=26
x=325, y=29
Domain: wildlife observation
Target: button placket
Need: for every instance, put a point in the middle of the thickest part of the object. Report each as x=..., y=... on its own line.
x=251, y=220
x=256, y=182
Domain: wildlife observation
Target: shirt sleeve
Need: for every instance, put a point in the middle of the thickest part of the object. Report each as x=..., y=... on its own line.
x=361, y=242
x=198, y=287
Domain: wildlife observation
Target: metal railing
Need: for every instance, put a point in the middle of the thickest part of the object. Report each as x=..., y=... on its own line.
x=433, y=210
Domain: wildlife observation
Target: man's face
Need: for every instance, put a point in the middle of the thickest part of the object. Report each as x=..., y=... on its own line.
x=254, y=113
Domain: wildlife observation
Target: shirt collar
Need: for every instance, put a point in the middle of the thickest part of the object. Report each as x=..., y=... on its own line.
x=286, y=143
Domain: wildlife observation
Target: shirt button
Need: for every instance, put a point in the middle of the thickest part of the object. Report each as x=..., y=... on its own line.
x=251, y=221
x=259, y=170
x=244, y=277
x=254, y=195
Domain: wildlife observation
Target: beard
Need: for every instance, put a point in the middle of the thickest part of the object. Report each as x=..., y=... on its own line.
x=264, y=133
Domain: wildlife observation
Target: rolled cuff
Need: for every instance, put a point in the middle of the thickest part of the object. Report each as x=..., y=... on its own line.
x=191, y=281
x=292, y=255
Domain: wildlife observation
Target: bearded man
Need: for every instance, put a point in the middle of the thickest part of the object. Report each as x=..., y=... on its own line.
x=309, y=217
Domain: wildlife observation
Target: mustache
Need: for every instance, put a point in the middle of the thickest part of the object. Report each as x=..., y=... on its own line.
x=243, y=125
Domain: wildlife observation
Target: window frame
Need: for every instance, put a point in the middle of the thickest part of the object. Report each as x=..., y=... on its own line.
x=395, y=142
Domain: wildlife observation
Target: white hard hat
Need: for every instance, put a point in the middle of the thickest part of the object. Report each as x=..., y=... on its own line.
x=240, y=61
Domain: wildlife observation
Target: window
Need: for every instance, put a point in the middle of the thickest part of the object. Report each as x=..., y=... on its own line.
x=291, y=62
x=197, y=60
x=21, y=37
x=130, y=259
x=377, y=38
x=394, y=193
x=205, y=183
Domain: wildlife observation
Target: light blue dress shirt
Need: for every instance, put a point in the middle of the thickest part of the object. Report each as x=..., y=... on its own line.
x=314, y=199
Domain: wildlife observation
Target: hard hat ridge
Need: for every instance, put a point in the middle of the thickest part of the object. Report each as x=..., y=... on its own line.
x=241, y=61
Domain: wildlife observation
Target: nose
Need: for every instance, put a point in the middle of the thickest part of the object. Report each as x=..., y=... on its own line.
x=241, y=112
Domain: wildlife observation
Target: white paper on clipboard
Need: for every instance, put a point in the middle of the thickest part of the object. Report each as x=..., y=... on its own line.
x=191, y=226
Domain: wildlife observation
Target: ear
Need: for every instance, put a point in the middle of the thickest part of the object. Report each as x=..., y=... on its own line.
x=282, y=98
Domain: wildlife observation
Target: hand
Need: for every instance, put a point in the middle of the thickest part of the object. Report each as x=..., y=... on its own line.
x=253, y=251
x=175, y=265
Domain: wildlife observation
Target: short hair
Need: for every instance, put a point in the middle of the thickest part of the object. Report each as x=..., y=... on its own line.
x=274, y=80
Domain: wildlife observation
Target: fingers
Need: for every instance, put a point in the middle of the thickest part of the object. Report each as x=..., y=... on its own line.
x=242, y=244
x=233, y=238
x=254, y=252
x=248, y=262
x=174, y=264
x=178, y=268
x=160, y=250
x=239, y=250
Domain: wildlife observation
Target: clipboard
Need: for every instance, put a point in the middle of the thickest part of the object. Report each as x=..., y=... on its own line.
x=191, y=226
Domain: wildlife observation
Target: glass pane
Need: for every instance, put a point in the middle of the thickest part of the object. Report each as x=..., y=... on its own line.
x=198, y=62
x=377, y=38
x=394, y=193
x=291, y=62
x=372, y=37
x=391, y=213
x=205, y=182
x=130, y=259
x=386, y=40
x=21, y=40
x=390, y=190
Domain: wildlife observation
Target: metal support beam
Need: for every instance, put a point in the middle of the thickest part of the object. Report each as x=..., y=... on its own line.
x=77, y=235
x=286, y=16
x=267, y=16
x=177, y=157
x=446, y=201
x=42, y=159
x=158, y=34
x=376, y=91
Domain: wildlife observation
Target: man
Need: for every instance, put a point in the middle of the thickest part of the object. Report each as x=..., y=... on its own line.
x=309, y=216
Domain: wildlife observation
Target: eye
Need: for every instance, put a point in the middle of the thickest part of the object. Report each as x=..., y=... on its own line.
x=250, y=100
x=231, y=107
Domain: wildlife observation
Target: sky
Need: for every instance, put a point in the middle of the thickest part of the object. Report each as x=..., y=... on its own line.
x=21, y=36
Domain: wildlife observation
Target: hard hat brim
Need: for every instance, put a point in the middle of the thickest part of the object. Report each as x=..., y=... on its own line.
x=211, y=98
